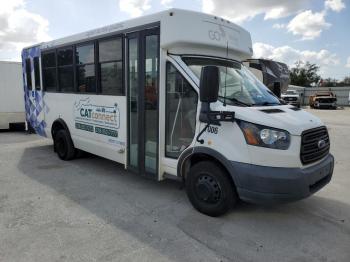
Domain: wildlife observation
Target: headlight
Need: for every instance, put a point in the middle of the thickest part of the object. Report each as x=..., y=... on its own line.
x=258, y=135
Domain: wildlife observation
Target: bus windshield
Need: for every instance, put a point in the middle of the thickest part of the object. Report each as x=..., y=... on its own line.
x=238, y=86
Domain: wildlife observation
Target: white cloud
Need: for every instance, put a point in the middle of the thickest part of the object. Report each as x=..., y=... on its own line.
x=335, y=5
x=239, y=11
x=19, y=28
x=279, y=26
x=290, y=55
x=167, y=3
x=134, y=8
x=309, y=25
x=348, y=63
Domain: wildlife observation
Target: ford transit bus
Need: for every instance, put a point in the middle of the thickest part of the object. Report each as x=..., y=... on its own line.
x=167, y=96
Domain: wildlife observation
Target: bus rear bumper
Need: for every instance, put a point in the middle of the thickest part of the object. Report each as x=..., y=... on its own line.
x=268, y=185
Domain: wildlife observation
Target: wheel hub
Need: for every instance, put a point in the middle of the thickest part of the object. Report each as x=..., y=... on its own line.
x=208, y=189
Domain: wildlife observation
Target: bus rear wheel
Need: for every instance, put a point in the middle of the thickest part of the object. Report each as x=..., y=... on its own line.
x=209, y=189
x=63, y=145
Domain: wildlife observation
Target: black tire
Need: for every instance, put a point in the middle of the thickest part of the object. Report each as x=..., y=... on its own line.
x=210, y=190
x=64, y=145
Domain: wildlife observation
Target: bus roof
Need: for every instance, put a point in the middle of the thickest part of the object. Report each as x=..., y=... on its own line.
x=181, y=32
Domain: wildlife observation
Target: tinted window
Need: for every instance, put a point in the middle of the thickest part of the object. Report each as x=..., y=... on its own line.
x=65, y=56
x=86, y=78
x=110, y=50
x=49, y=71
x=112, y=78
x=111, y=67
x=151, y=102
x=85, y=54
x=133, y=80
x=37, y=73
x=29, y=73
x=66, y=79
x=49, y=76
x=256, y=66
x=49, y=60
x=65, y=69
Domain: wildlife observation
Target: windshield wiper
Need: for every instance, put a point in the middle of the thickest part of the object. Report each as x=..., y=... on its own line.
x=234, y=100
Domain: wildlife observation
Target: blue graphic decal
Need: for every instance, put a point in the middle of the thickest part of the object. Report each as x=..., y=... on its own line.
x=33, y=99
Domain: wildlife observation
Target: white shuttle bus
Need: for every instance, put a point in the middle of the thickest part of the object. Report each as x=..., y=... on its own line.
x=167, y=96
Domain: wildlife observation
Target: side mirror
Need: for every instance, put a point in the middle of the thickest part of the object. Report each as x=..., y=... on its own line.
x=209, y=93
x=209, y=84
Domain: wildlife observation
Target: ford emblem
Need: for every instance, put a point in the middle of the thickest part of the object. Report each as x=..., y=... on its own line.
x=321, y=144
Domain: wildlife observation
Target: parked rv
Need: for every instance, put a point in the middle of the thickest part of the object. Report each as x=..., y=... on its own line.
x=275, y=75
x=11, y=95
x=323, y=99
x=170, y=103
x=292, y=97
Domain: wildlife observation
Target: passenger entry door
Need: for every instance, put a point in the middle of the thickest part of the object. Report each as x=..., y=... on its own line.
x=143, y=101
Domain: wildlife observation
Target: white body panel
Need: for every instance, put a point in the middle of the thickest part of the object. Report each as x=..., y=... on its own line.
x=231, y=143
x=206, y=34
x=11, y=94
x=76, y=111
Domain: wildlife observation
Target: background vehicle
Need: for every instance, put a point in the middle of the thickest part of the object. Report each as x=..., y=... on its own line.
x=178, y=104
x=275, y=75
x=11, y=95
x=323, y=99
x=291, y=97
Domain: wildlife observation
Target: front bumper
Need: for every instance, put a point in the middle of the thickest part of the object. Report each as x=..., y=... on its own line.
x=325, y=105
x=263, y=185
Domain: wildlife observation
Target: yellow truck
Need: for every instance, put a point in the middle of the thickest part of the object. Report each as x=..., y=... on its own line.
x=323, y=99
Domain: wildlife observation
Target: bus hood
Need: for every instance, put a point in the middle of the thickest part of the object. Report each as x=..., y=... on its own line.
x=285, y=117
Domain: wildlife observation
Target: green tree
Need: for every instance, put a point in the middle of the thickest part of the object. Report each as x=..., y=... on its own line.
x=329, y=82
x=304, y=74
x=345, y=82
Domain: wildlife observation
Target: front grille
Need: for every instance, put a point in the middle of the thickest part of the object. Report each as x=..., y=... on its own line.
x=326, y=100
x=290, y=99
x=310, y=145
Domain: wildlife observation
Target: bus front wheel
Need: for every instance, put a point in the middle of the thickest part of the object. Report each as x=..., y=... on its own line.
x=209, y=189
x=63, y=145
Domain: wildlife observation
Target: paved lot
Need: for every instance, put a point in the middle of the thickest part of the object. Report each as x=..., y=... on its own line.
x=92, y=210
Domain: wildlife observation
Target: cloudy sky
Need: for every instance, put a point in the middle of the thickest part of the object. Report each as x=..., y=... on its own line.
x=284, y=30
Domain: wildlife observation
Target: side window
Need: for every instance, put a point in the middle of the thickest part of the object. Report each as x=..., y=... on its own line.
x=49, y=71
x=111, y=66
x=181, y=111
x=65, y=69
x=85, y=68
x=37, y=73
x=28, y=73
